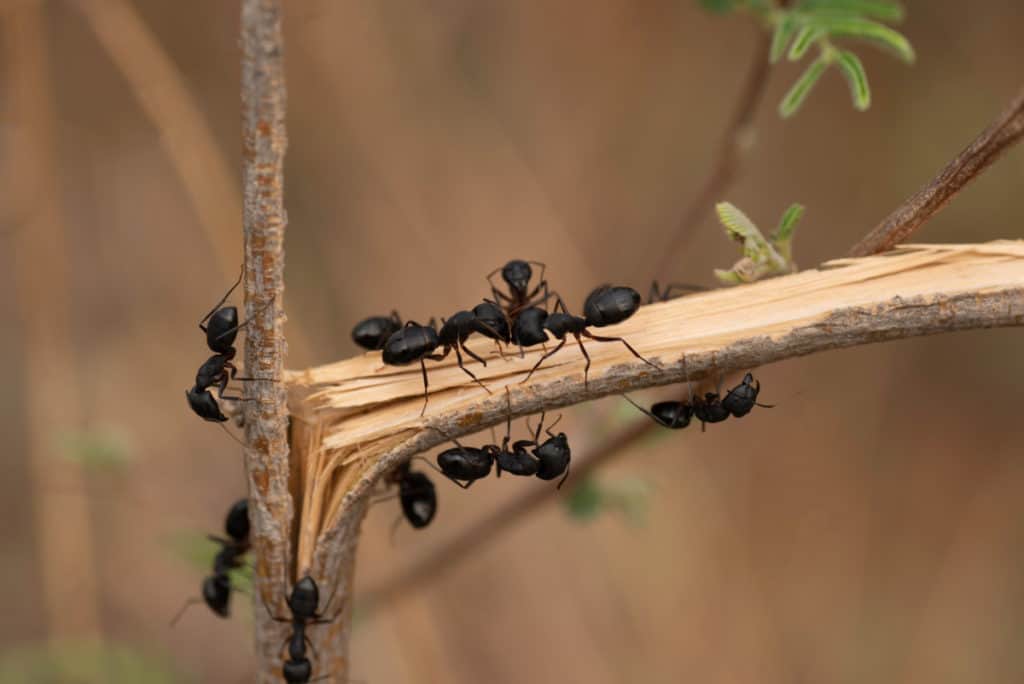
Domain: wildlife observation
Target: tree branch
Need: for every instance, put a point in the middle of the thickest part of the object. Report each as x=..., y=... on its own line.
x=266, y=418
x=897, y=227
x=365, y=419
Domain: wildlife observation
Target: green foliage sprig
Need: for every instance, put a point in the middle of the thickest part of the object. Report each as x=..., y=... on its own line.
x=801, y=25
x=762, y=256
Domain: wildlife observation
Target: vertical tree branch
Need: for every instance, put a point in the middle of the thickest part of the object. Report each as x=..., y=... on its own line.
x=266, y=418
x=897, y=227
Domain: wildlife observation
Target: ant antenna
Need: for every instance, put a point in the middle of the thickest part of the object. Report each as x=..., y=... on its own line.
x=181, y=611
x=228, y=433
x=251, y=319
x=553, y=424
x=641, y=408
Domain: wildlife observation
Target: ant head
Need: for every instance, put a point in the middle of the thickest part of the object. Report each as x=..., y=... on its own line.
x=517, y=274
x=304, y=599
x=237, y=522
x=216, y=593
x=297, y=671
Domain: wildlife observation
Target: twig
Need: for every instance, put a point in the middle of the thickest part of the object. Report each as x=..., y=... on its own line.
x=369, y=415
x=515, y=510
x=266, y=417
x=737, y=140
x=184, y=132
x=898, y=226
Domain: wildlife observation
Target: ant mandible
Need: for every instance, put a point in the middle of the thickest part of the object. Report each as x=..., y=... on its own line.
x=216, y=588
x=604, y=306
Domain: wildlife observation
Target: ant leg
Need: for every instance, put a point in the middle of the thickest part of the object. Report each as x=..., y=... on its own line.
x=586, y=369
x=423, y=367
x=251, y=319
x=548, y=430
x=444, y=474
x=223, y=299
x=470, y=352
x=561, y=344
x=628, y=346
x=643, y=410
x=654, y=294
x=275, y=618
x=666, y=294
x=536, y=435
x=396, y=318
x=568, y=467
x=177, y=616
x=465, y=370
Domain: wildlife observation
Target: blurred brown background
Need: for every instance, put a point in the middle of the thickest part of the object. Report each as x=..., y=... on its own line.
x=866, y=530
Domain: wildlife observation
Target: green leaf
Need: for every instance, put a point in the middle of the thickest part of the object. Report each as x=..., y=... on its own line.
x=804, y=40
x=802, y=88
x=853, y=70
x=737, y=224
x=787, y=224
x=866, y=30
x=784, y=30
x=886, y=10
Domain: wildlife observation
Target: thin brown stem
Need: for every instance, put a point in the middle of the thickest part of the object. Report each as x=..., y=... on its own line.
x=266, y=418
x=897, y=227
x=737, y=140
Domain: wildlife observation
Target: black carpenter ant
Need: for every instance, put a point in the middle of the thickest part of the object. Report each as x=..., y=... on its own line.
x=553, y=454
x=371, y=333
x=303, y=603
x=604, y=306
x=221, y=327
x=657, y=294
x=216, y=588
x=709, y=409
x=674, y=415
x=457, y=329
x=517, y=275
x=742, y=398
x=528, y=328
x=414, y=342
x=417, y=495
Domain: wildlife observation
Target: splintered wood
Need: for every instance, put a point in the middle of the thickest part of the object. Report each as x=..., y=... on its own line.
x=358, y=417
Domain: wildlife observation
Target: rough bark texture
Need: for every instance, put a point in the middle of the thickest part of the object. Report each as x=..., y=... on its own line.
x=266, y=418
x=364, y=417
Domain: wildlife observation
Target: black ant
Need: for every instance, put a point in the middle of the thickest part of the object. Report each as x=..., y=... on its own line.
x=528, y=328
x=517, y=275
x=303, y=603
x=414, y=342
x=657, y=294
x=221, y=327
x=216, y=588
x=674, y=415
x=548, y=460
x=417, y=495
x=371, y=333
x=605, y=306
x=742, y=398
